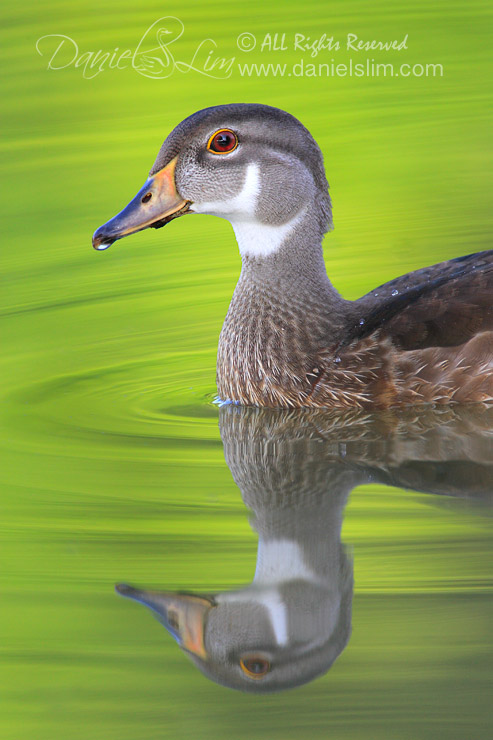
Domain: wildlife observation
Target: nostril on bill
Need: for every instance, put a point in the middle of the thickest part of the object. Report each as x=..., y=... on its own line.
x=146, y=197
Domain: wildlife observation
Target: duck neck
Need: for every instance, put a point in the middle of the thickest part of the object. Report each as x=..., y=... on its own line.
x=289, y=254
x=283, y=313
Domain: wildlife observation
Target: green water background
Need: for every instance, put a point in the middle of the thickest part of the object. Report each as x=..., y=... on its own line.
x=112, y=466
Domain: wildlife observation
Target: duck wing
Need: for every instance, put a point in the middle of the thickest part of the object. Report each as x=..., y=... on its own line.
x=444, y=305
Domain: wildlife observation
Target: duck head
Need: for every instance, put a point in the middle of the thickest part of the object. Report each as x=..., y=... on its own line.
x=254, y=165
x=261, y=638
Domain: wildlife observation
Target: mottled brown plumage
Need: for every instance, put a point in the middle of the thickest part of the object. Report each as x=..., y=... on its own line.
x=426, y=337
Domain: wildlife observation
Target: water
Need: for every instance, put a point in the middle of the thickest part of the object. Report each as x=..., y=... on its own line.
x=399, y=604
x=113, y=467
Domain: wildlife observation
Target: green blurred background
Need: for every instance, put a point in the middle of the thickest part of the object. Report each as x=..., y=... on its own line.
x=112, y=464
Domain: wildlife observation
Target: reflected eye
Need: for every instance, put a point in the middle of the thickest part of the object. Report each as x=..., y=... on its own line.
x=173, y=620
x=222, y=141
x=255, y=666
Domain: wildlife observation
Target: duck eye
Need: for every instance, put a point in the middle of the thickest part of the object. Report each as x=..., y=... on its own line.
x=222, y=141
x=255, y=666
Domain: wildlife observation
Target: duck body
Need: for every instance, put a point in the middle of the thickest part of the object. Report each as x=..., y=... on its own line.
x=289, y=338
x=422, y=338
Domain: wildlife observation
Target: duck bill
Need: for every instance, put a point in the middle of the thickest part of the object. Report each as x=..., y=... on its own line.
x=155, y=205
x=183, y=615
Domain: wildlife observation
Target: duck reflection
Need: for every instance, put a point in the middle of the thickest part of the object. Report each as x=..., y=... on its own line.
x=295, y=470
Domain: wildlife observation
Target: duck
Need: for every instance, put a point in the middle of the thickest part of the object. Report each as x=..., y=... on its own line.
x=295, y=470
x=290, y=339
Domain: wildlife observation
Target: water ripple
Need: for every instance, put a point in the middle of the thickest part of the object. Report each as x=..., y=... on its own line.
x=132, y=405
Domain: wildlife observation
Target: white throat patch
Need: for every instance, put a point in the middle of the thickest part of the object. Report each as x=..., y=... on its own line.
x=254, y=238
x=278, y=561
x=281, y=560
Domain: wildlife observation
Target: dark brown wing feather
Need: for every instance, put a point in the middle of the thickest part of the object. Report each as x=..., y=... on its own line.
x=440, y=306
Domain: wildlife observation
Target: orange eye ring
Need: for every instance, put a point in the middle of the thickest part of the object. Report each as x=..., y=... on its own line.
x=255, y=666
x=223, y=141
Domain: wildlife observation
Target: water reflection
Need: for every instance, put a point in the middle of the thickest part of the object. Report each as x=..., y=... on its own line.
x=295, y=471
